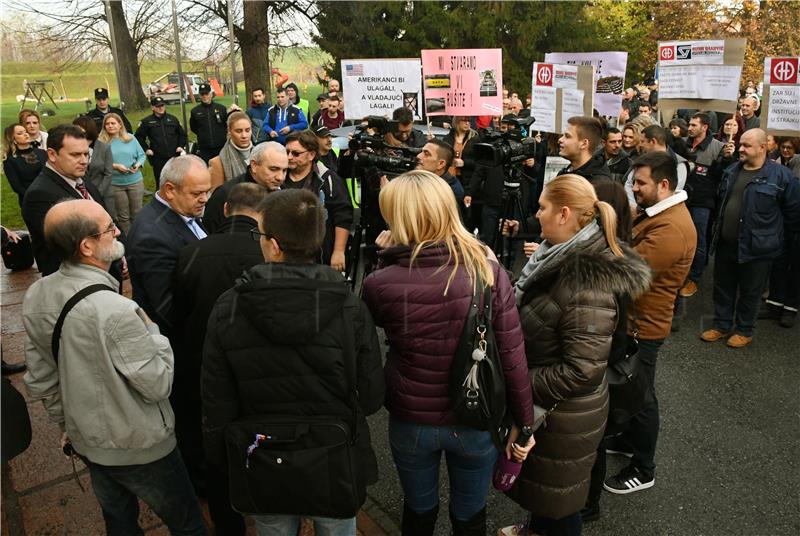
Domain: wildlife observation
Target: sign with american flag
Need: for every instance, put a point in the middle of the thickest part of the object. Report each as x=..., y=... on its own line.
x=354, y=69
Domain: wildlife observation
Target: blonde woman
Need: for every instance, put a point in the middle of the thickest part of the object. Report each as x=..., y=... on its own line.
x=22, y=161
x=569, y=296
x=234, y=158
x=127, y=182
x=421, y=296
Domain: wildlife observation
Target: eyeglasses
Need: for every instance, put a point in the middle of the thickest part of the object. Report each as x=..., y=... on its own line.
x=256, y=235
x=295, y=153
x=111, y=228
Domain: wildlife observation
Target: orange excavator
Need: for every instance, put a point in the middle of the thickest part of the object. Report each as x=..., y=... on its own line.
x=280, y=78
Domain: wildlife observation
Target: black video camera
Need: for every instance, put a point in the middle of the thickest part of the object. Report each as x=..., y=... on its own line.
x=506, y=148
x=362, y=139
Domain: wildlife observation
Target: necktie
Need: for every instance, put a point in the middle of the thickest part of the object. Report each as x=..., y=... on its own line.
x=82, y=189
x=198, y=231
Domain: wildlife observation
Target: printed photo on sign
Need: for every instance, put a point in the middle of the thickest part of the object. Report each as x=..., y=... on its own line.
x=488, y=84
x=437, y=80
x=434, y=106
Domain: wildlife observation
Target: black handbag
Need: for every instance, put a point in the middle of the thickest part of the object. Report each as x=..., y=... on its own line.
x=17, y=255
x=295, y=464
x=477, y=383
x=628, y=387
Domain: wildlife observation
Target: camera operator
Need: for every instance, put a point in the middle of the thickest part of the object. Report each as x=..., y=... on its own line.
x=405, y=135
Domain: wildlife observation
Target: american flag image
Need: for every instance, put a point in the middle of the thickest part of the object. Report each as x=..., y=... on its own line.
x=354, y=69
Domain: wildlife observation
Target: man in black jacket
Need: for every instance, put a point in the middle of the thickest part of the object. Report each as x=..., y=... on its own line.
x=209, y=121
x=616, y=158
x=578, y=145
x=290, y=341
x=166, y=135
x=102, y=108
x=205, y=269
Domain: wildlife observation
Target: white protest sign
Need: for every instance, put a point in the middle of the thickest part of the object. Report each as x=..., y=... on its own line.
x=543, y=108
x=609, y=75
x=379, y=86
x=691, y=53
x=552, y=166
x=784, y=108
x=571, y=105
x=699, y=82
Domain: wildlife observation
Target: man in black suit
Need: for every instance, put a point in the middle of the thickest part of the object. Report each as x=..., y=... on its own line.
x=206, y=269
x=60, y=179
x=162, y=228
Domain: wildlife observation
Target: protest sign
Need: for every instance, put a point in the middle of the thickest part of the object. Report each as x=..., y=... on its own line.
x=552, y=165
x=560, y=92
x=379, y=86
x=463, y=81
x=699, y=75
x=780, y=109
x=609, y=76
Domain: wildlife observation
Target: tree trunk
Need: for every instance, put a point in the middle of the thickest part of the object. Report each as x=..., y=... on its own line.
x=253, y=40
x=130, y=80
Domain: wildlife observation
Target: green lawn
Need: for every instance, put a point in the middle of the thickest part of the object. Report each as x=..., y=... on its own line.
x=10, y=216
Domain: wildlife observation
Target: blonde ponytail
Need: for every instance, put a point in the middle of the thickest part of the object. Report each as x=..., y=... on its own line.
x=608, y=220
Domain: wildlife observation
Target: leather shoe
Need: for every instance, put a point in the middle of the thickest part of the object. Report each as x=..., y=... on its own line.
x=12, y=368
x=739, y=341
x=689, y=289
x=712, y=335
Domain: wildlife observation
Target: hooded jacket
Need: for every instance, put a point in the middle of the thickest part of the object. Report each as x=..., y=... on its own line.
x=594, y=170
x=569, y=313
x=276, y=345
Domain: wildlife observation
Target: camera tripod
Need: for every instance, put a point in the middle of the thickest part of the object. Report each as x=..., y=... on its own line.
x=503, y=246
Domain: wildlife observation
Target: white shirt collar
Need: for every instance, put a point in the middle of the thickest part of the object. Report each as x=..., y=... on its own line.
x=671, y=201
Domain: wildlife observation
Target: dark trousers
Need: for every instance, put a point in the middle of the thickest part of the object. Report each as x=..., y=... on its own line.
x=642, y=433
x=700, y=216
x=737, y=290
x=226, y=520
x=570, y=525
x=784, y=280
x=163, y=485
x=158, y=164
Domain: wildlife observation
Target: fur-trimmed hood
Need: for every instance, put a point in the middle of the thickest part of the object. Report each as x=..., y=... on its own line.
x=594, y=266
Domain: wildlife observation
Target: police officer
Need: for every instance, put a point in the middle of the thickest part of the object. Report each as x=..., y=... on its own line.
x=102, y=108
x=166, y=135
x=209, y=121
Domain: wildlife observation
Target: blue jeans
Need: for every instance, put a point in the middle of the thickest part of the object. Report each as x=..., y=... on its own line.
x=417, y=452
x=163, y=485
x=277, y=525
x=700, y=216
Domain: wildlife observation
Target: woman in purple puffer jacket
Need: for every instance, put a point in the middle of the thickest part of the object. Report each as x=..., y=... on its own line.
x=420, y=296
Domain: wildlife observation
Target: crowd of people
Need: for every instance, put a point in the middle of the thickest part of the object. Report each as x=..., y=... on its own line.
x=243, y=351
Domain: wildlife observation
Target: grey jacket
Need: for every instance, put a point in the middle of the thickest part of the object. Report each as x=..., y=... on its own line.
x=110, y=388
x=99, y=173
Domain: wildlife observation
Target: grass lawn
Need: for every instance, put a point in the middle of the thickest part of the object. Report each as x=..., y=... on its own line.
x=10, y=215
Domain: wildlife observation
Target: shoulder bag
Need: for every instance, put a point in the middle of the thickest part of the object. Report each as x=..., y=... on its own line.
x=628, y=387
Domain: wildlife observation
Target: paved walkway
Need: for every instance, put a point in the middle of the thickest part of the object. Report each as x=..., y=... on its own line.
x=39, y=489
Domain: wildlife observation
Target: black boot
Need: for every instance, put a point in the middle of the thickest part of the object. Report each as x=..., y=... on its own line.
x=12, y=368
x=415, y=524
x=474, y=526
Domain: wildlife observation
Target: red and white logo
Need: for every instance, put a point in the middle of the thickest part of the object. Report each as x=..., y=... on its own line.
x=666, y=53
x=544, y=74
x=783, y=71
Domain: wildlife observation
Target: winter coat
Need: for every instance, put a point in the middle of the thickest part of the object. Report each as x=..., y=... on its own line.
x=594, y=170
x=275, y=345
x=424, y=326
x=703, y=181
x=210, y=123
x=568, y=315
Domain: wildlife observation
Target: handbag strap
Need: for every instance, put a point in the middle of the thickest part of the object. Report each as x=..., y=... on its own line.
x=55, y=342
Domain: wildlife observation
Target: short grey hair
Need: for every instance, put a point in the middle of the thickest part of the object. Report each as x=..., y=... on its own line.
x=177, y=167
x=64, y=239
x=258, y=152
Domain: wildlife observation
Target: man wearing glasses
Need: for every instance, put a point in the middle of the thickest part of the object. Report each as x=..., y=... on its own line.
x=304, y=172
x=166, y=135
x=107, y=384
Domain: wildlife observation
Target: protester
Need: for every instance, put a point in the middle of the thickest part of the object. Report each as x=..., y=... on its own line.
x=437, y=157
x=293, y=94
x=127, y=181
x=166, y=135
x=283, y=118
x=630, y=141
x=281, y=344
x=664, y=235
x=759, y=206
x=568, y=295
x=616, y=158
x=107, y=381
x=462, y=139
x=101, y=163
x=268, y=165
x=234, y=158
x=332, y=117
x=655, y=139
x=208, y=121
x=322, y=103
x=257, y=112
x=421, y=296
x=748, y=110
x=327, y=155
x=32, y=122
x=22, y=162
x=204, y=270
x=679, y=128
x=789, y=149
x=578, y=144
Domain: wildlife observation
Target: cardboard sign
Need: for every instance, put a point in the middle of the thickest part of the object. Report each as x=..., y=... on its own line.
x=672, y=53
x=559, y=92
x=380, y=86
x=699, y=75
x=609, y=76
x=463, y=81
x=780, y=108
